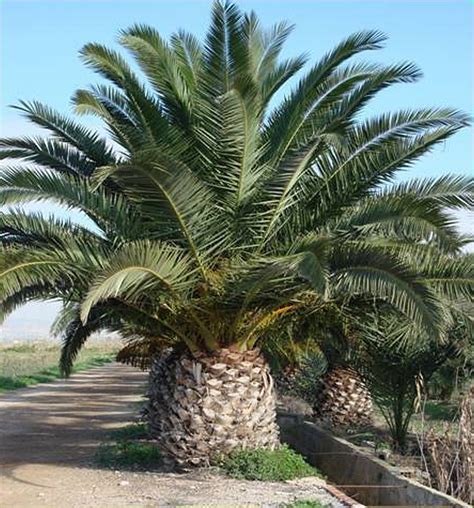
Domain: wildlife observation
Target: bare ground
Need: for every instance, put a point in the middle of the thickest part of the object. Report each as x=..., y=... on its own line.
x=49, y=434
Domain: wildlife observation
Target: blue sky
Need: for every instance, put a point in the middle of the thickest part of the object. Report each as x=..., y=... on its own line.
x=40, y=40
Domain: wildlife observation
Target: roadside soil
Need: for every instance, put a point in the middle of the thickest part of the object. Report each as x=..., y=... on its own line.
x=49, y=435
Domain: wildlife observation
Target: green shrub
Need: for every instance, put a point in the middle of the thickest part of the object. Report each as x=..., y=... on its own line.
x=397, y=362
x=266, y=465
x=130, y=432
x=129, y=455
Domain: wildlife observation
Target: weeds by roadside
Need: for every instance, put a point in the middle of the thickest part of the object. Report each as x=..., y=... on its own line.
x=130, y=432
x=267, y=465
x=129, y=455
x=129, y=450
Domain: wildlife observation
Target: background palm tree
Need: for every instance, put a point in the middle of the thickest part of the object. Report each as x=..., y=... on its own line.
x=218, y=210
x=398, y=368
x=313, y=358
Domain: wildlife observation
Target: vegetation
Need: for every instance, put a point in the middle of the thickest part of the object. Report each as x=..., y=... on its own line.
x=130, y=432
x=449, y=463
x=455, y=375
x=314, y=359
x=219, y=212
x=398, y=366
x=30, y=363
x=129, y=449
x=266, y=465
x=129, y=455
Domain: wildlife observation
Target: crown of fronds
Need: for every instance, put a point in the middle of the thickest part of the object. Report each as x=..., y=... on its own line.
x=217, y=209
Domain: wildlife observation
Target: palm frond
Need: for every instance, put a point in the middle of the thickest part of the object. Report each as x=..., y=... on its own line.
x=290, y=115
x=374, y=272
x=35, y=229
x=140, y=268
x=66, y=130
x=38, y=292
x=174, y=199
x=110, y=212
x=49, y=153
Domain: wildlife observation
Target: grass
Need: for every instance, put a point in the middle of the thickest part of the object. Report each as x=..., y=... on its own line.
x=30, y=363
x=129, y=450
x=266, y=465
x=440, y=410
x=130, y=432
x=128, y=455
x=437, y=414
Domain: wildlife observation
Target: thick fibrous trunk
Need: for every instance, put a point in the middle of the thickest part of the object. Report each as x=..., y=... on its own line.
x=344, y=398
x=204, y=405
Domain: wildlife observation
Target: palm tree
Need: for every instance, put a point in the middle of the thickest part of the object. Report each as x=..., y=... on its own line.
x=214, y=211
x=313, y=358
x=398, y=367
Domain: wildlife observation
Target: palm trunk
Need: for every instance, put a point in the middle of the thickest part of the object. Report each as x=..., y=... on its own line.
x=205, y=405
x=344, y=398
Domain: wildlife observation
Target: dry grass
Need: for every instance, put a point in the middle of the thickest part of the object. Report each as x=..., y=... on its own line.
x=450, y=462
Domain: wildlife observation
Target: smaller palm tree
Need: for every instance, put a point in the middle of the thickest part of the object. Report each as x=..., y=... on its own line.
x=398, y=363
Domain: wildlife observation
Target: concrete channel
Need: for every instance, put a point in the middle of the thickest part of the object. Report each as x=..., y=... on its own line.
x=364, y=478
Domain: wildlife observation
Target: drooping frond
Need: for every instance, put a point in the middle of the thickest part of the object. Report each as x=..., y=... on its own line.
x=374, y=272
x=35, y=229
x=109, y=211
x=416, y=211
x=49, y=153
x=142, y=268
x=26, y=294
x=76, y=334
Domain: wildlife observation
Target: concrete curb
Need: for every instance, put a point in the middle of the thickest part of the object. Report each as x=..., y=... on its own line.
x=370, y=480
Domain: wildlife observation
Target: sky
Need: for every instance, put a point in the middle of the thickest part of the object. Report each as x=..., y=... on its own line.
x=40, y=41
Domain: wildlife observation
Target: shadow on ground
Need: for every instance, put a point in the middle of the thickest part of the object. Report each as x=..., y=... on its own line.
x=63, y=422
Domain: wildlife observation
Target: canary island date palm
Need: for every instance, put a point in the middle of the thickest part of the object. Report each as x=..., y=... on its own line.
x=216, y=207
x=313, y=358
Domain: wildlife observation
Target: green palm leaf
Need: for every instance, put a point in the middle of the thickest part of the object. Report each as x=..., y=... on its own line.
x=139, y=268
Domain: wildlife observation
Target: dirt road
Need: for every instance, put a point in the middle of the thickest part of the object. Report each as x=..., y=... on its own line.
x=49, y=434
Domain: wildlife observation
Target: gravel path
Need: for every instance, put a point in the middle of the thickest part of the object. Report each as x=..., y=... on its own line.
x=49, y=433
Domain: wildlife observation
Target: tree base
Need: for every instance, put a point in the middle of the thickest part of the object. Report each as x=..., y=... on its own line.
x=206, y=405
